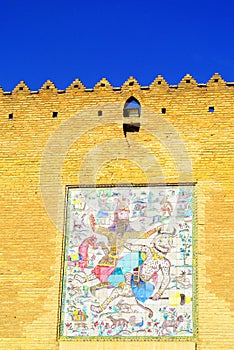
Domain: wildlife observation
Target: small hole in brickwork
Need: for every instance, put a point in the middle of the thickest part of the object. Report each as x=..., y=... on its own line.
x=159, y=82
x=99, y=113
x=131, y=128
x=216, y=80
x=76, y=86
x=211, y=109
x=10, y=116
x=21, y=88
x=164, y=110
x=131, y=83
x=47, y=87
x=187, y=81
x=55, y=114
x=103, y=85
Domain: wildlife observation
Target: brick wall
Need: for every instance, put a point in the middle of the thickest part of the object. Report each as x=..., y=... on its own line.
x=41, y=154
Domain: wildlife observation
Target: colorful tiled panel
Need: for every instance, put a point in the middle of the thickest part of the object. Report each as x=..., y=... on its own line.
x=129, y=263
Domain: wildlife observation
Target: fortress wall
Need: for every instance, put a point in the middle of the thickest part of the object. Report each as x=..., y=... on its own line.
x=40, y=155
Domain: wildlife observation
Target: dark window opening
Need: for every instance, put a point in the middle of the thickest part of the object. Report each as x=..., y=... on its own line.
x=211, y=109
x=76, y=86
x=131, y=128
x=99, y=113
x=164, y=110
x=103, y=85
x=47, y=87
x=132, y=108
x=216, y=80
x=159, y=82
x=10, y=116
x=131, y=83
x=187, y=81
x=21, y=88
x=55, y=114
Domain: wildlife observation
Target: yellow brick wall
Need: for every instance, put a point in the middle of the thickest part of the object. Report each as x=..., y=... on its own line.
x=40, y=155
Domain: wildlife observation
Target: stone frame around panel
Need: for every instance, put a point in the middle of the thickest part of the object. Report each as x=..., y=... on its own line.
x=129, y=269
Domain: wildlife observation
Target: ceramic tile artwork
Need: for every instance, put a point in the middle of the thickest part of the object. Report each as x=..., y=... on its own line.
x=129, y=263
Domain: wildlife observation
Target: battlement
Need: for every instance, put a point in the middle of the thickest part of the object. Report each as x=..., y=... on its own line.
x=159, y=84
x=185, y=98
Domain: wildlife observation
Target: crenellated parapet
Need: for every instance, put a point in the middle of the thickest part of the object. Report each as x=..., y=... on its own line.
x=158, y=85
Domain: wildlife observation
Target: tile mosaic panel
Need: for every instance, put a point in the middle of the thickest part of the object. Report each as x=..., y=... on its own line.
x=129, y=263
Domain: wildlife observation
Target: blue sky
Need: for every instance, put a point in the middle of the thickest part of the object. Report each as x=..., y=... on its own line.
x=64, y=40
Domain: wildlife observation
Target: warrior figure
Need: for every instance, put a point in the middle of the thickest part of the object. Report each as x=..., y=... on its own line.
x=154, y=260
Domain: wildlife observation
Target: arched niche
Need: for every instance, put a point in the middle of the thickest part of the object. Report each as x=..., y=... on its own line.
x=132, y=108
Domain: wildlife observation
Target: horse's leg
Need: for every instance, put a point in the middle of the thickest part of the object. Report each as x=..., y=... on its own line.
x=83, y=279
x=97, y=287
x=124, y=290
x=103, y=306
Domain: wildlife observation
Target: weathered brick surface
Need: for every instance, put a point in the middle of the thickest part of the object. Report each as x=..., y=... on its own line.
x=93, y=150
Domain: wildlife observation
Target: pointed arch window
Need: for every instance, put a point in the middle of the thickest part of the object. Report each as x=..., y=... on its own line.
x=132, y=108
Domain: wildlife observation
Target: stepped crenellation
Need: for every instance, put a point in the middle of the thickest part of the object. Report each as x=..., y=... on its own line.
x=131, y=83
